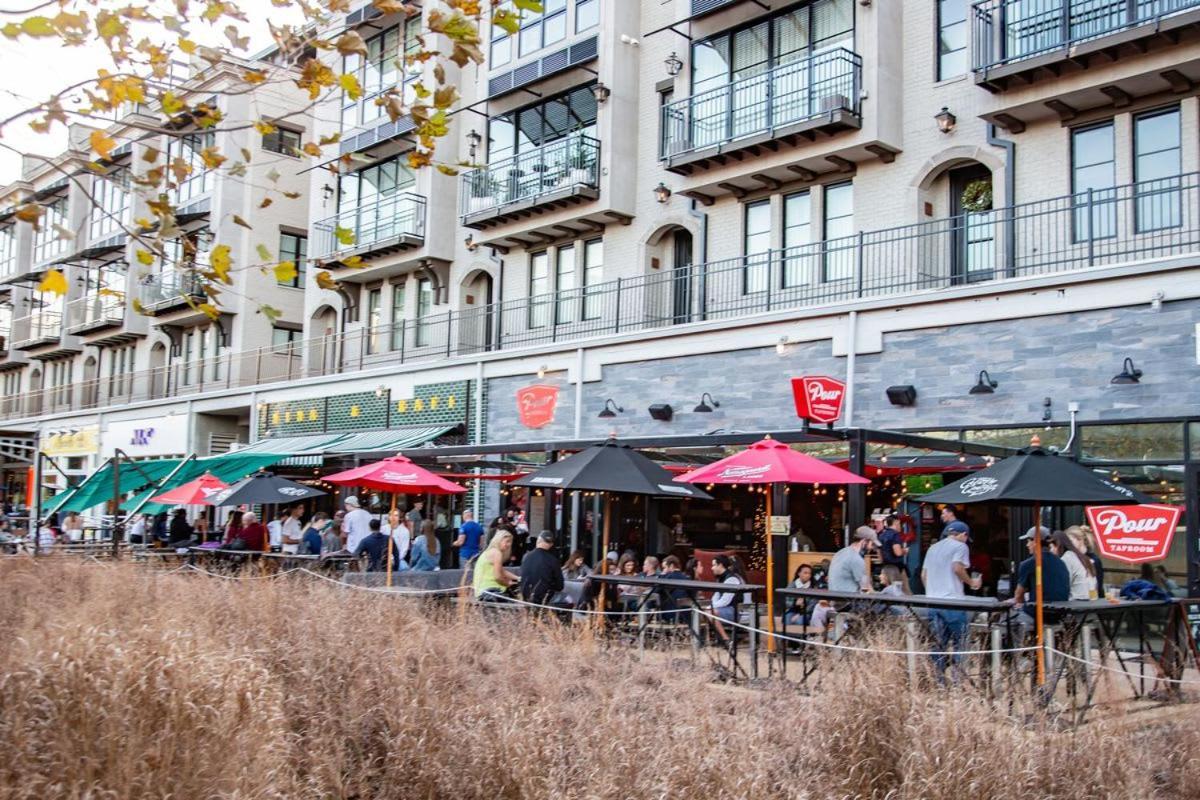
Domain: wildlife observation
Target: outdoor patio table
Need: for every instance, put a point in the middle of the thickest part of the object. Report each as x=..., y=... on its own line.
x=1109, y=616
x=981, y=605
x=662, y=588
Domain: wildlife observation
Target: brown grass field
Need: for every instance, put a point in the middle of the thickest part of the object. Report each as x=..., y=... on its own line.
x=118, y=682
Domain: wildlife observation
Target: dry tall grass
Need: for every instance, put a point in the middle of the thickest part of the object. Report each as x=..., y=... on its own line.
x=115, y=682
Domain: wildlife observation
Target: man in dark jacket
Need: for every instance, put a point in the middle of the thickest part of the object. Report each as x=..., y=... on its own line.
x=180, y=533
x=374, y=545
x=541, y=574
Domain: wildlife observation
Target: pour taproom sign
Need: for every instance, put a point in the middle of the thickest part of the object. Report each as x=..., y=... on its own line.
x=1134, y=533
x=536, y=404
x=818, y=398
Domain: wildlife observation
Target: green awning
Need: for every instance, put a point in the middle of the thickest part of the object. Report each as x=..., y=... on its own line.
x=98, y=488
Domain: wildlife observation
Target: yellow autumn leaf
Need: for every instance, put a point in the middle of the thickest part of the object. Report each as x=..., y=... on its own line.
x=38, y=26
x=145, y=257
x=31, y=213
x=54, y=282
x=264, y=254
x=209, y=310
x=187, y=45
x=102, y=144
x=254, y=77
x=286, y=272
x=344, y=235
x=350, y=86
x=239, y=221
x=354, y=262
x=312, y=148
x=351, y=42
x=264, y=127
x=326, y=281
x=220, y=262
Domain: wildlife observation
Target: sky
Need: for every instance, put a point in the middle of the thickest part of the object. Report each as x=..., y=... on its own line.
x=33, y=70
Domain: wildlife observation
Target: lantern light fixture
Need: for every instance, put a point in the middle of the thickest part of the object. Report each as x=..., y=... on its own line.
x=946, y=121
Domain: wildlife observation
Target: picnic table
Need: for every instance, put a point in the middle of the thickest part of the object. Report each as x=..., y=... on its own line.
x=662, y=589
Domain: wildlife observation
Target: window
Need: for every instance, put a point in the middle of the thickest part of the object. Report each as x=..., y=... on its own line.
x=566, y=307
x=1093, y=176
x=593, y=276
x=539, y=288
x=284, y=141
x=8, y=249
x=797, y=232
x=385, y=66
x=398, y=315
x=587, y=14
x=49, y=242
x=110, y=208
x=839, y=227
x=374, y=202
x=190, y=148
x=374, y=320
x=104, y=292
x=756, y=245
x=1156, y=167
x=424, y=307
x=952, y=38
x=283, y=338
x=120, y=370
x=202, y=356
x=294, y=247
x=548, y=121
x=60, y=381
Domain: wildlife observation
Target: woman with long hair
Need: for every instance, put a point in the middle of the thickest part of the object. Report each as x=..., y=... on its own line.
x=576, y=568
x=233, y=527
x=1085, y=542
x=1079, y=566
x=491, y=580
x=425, y=553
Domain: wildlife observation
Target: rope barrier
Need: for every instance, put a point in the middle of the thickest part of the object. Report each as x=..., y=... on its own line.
x=1120, y=671
x=380, y=590
x=512, y=602
x=194, y=568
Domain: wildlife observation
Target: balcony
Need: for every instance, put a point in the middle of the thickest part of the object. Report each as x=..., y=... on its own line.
x=791, y=102
x=160, y=292
x=555, y=175
x=1014, y=39
x=393, y=224
x=40, y=328
x=94, y=312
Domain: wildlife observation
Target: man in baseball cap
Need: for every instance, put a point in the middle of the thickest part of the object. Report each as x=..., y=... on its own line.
x=848, y=568
x=957, y=528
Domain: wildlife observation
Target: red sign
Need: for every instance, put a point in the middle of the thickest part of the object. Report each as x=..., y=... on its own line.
x=818, y=398
x=536, y=404
x=1134, y=533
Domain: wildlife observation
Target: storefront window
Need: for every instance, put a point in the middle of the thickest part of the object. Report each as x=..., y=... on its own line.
x=1020, y=438
x=1151, y=441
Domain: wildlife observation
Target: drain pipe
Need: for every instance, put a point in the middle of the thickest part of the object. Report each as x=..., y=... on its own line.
x=701, y=254
x=576, y=507
x=851, y=351
x=1010, y=193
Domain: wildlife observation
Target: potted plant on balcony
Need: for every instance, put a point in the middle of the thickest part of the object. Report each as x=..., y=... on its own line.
x=485, y=190
x=581, y=161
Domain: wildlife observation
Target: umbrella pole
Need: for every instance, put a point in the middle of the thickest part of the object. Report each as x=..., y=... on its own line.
x=391, y=538
x=604, y=545
x=1037, y=576
x=770, y=574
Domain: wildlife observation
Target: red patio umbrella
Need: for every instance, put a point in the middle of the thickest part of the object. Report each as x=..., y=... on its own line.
x=193, y=493
x=770, y=461
x=397, y=475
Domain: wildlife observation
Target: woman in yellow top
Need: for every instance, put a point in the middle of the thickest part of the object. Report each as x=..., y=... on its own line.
x=491, y=579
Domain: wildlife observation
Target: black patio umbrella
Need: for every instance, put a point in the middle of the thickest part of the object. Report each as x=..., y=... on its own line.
x=263, y=488
x=1035, y=478
x=610, y=467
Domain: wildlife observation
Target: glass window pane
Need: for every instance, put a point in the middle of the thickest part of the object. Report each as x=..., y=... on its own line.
x=587, y=14
x=530, y=38
x=501, y=51
x=1137, y=442
x=554, y=29
x=710, y=64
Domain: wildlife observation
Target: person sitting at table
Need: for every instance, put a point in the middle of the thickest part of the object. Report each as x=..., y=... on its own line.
x=158, y=529
x=802, y=578
x=1081, y=537
x=724, y=604
x=137, y=529
x=233, y=528
x=848, y=569
x=1056, y=583
x=576, y=568
x=275, y=529
x=311, y=541
x=200, y=528
x=1079, y=566
x=694, y=569
x=627, y=591
x=180, y=533
x=891, y=579
x=490, y=579
x=253, y=534
x=892, y=549
x=374, y=544
x=541, y=574
x=426, y=554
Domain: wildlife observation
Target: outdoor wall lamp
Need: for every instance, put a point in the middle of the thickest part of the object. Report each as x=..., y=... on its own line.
x=474, y=139
x=380, y=391
x=470, y=243
x=610, y=410
x=674, y=65
x=945, y=120
x=985, y=385
x=600, y=92
x=662, y=192
x=541, y=373
x=327, y=192
x=705, y=408
x=781, y=347
x=1129, y=374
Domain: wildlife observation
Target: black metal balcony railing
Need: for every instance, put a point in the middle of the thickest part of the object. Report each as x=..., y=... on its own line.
x=378, y=223
x=1009, y=31
x=552, y=169
x=40, y=327
x=161, y=290
x=788, y=94
x=1123, y=224
x=94, y=311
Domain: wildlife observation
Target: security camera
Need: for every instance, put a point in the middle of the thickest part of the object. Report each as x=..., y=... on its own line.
x=627, y=39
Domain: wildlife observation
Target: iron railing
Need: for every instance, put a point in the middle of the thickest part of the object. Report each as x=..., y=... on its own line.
x=390, y=217
x=94, y=310
x=552, y=169
x=171, y=287
x=787, y=94
x=37, y=328
x=1096, y=228
x=1009, y=31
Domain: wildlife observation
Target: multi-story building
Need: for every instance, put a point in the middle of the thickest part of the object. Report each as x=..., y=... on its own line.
x=668, y=199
